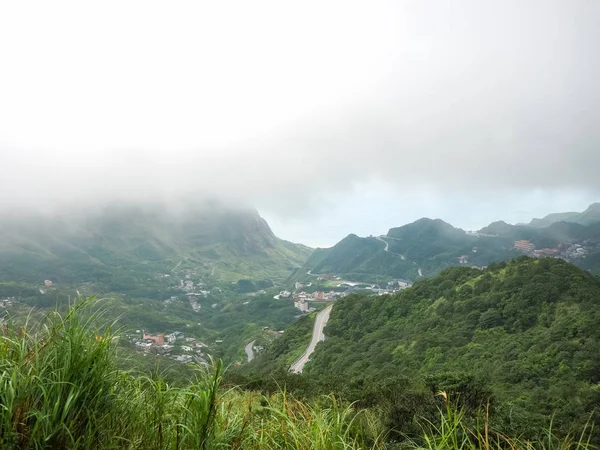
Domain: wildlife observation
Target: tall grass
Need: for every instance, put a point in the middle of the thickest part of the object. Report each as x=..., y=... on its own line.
x=455, y=431
x=61, y=387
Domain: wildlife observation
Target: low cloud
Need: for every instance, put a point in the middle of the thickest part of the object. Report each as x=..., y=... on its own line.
x=458, y=99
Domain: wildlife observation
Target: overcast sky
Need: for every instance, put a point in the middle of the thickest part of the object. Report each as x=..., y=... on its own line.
x=329, y=117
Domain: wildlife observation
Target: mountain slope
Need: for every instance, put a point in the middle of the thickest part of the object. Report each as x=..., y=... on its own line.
x=526, y=329
x=356, y=255
x=427, y=244
x=590, y=216
x=124, y=239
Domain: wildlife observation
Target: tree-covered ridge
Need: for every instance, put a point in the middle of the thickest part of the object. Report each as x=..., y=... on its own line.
x=527, y=330
x=358, y=255
x=428, y=246
x=590, y=216
x=125, y=245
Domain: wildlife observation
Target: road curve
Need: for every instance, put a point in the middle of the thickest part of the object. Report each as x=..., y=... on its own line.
x=317, y=336
x=249, y=351
x=382, y=240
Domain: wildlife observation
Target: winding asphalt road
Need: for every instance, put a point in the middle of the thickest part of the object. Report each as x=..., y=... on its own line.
x=317, y=336
x=249, y=351
x=380, y=239
x=385, y=242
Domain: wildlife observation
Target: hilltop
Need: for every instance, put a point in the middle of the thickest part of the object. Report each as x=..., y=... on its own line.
x=517, y=341
x=525, y=331
x=588, y=217
x=422, y=248
x=123, y=243
x=428, y=246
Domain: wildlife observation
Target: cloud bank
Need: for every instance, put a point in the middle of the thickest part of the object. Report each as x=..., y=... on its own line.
x=286, y=106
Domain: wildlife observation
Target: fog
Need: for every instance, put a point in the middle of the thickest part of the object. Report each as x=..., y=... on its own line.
x=330, y=117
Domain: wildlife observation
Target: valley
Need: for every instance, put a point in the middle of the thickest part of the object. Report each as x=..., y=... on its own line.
x=424, y=307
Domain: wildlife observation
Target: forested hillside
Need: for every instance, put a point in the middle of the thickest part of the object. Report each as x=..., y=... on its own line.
x=359, y=256
x=122, y=246
x=524, y=333
x=590, y=216
x=428, y=246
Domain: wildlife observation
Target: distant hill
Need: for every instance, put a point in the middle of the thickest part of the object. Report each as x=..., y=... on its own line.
x=588, y=217
x=128, y=242
x=525, y=330
x=360, y=256
x=427, y=244
x=427, y=238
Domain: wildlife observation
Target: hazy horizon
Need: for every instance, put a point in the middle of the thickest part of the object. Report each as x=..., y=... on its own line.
x=330, y=118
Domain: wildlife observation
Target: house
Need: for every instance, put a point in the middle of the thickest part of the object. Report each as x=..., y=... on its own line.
x=186, y=348
x=524, y=246
x=184, y=359
x=302, y=305
x=174, y=336
x=144, y=346
x=163, y=349
x=48, y=283
x=318, y=296
x=159, y=339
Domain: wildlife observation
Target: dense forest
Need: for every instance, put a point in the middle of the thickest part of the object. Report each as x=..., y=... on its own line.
x=521, y=337
x=63, y=386
x=433, y=245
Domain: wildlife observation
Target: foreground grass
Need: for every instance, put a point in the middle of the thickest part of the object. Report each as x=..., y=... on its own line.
x=60, y=387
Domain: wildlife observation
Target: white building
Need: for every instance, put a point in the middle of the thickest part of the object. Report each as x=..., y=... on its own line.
x=174, y=336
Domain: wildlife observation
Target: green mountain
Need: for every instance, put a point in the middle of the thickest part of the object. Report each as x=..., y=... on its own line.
x=427, y=244
x=590, y=216
x=360, y=257
x=126, y=242
x=524, y=331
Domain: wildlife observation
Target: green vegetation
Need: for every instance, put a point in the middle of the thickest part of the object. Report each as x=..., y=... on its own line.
x=524, y=332
x=61, y=387
x=138, y=260
x=518, y=340
x=360, y=256
x=434, y=245
x=127, y=247
x=284, y=350
x=590, y=216
x=431, y=245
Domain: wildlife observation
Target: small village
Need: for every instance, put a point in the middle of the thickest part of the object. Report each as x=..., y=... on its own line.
x=302, y=298
x=567, y=251
x=174, y=345
x=7, y=302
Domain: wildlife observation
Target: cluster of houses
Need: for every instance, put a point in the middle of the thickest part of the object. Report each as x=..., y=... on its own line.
x=327, y=277
x=564, y=251
x=301, y=299
x=188, y=285
x=193, y=299
x=175, y=345
x=7, y=302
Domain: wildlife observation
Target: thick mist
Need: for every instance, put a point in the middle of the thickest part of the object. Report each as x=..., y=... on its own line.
x=297, y=109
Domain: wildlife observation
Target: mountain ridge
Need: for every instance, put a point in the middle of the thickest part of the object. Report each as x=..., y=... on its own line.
x=588, y=217
x=238, y=242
